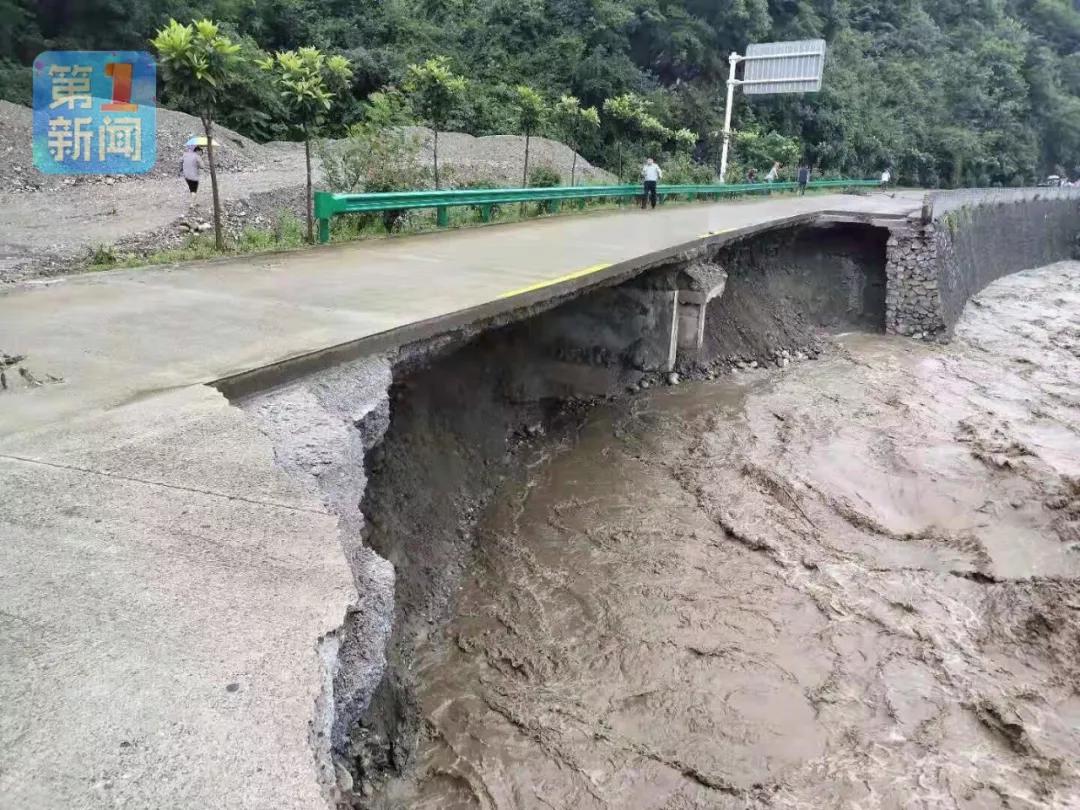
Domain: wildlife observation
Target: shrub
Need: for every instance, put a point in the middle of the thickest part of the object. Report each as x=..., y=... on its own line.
x=544, y=177
x=682, y=170
x=373, y=160
x=102, y=256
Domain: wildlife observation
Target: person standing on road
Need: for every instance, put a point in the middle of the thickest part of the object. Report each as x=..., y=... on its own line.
x=190, y=167
x=804, y=178
x=774, y=173
x=651, y=174
x=886, y=178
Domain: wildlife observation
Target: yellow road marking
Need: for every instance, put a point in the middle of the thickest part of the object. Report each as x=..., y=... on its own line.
x=585, y=271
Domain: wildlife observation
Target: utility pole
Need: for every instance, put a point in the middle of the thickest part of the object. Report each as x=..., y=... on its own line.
x=733, y=60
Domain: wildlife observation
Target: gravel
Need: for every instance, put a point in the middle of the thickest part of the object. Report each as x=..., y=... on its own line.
x=235, y=153
x=500, y=159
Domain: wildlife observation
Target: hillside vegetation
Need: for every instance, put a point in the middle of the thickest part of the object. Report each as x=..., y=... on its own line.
x=950, y=92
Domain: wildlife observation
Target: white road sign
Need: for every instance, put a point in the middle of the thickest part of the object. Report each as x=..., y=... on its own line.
x=783, y=67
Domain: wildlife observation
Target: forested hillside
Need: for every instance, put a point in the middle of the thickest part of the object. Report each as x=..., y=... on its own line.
x=951, y=92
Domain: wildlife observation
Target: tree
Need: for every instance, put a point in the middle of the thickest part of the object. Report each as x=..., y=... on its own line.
x=626, y=113
x=760, y=150
x=196, y=61
x=899, y=72
x=307, y=81
x=575, y=124
x=655, y=133
x=435, y=92
x=387, y=109
x=531, y=110
x=685, y=140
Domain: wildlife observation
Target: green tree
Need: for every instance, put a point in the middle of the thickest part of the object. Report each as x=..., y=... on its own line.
x=576, y=124
x=903, y=80
x=387, y=109
x=307, y=81
x=626, y=113
x=531, y=110
x=759, y=150
x=685, y=140
x=435, y=92
x=655, y=133
x=196, y=61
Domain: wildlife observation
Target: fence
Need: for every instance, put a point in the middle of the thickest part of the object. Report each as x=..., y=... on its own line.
x=329, y=205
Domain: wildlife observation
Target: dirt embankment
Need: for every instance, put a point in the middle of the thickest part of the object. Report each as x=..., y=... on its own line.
x=836, y=584
x=785, y=289
x=461, y=424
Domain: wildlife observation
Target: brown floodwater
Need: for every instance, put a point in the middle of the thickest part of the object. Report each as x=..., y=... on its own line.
x=848, y=583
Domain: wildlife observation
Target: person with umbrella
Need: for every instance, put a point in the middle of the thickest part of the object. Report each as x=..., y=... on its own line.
x=191, y=165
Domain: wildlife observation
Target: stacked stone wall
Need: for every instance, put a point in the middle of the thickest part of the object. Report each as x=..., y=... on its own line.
x=912, y=298
x=966, y=240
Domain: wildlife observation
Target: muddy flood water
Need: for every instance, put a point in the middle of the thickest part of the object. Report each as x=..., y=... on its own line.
x=849, y=583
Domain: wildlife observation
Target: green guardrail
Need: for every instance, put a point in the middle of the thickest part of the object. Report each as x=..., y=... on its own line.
x=329, y=205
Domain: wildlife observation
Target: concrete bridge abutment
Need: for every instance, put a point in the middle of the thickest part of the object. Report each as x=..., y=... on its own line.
x=645, y=325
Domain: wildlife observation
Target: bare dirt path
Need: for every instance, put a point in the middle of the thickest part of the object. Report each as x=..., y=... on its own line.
x=53, y=226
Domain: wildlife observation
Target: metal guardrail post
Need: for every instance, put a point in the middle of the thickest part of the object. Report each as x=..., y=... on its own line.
x=442, y=216
x=324, y=231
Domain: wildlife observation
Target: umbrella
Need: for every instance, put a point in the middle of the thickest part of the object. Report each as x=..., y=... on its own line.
x=198, y=140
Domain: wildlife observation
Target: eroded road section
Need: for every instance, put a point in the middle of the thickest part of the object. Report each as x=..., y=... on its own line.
x=851, y=583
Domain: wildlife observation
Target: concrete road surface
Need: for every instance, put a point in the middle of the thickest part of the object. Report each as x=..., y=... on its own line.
x=163, y=586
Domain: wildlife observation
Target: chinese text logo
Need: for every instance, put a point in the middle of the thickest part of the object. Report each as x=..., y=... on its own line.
x=95, y=112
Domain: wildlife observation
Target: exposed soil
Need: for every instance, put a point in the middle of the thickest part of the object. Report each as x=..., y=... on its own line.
x=784, y=289
x=461, y=425
x=846, y=583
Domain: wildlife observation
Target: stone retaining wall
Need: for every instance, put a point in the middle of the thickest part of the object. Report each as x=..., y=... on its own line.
x=965, y=240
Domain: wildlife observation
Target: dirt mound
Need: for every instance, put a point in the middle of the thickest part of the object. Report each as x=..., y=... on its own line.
x=235, y=153
x=18, y=173
x=500, y=159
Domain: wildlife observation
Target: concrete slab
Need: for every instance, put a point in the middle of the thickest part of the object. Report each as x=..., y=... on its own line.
x=161, y=604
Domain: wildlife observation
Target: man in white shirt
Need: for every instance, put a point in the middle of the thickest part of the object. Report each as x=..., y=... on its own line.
x=886, y=177
x=651, y=174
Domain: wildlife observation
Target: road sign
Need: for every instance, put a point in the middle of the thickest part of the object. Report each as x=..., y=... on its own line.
x=784, y=67
x=773, y=67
